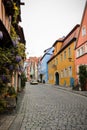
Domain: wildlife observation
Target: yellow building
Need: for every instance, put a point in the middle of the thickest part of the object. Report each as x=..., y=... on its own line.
x=52, y=63
x=61, y=67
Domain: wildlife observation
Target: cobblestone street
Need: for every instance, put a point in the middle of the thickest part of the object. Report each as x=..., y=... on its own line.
x=45, y=107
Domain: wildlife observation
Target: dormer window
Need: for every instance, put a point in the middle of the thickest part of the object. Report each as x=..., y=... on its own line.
x=83, y=31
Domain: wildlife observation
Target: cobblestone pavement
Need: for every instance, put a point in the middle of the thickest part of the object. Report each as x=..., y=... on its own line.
x=48, y=108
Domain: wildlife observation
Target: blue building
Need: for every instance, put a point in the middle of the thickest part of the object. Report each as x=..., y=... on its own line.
x=43, y=67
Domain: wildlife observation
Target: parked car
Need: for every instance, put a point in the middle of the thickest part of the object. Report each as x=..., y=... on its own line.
x=33, y=82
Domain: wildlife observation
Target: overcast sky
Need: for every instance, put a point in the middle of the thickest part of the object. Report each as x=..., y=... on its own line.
x=45, y=21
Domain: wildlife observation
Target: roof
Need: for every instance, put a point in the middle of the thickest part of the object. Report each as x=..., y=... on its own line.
x=59, y=40
x=46, y=52
x=47, y=49
x=72, y=36
x=81, y=22
x=67, y=40
x=51, y=58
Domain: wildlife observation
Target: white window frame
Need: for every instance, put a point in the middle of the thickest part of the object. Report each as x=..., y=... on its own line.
x=78, y=52
x=70, y=71
x=82, y=50
x=86, y=47
x=83, y=31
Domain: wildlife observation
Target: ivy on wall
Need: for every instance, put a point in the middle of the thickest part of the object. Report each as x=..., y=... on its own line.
x=11, y=59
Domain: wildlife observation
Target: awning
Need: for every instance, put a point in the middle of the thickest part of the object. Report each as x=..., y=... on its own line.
x=5, y=40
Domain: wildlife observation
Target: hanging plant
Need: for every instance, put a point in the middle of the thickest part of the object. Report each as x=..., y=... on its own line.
x=18, y=58
x=5, y=78
x=11, y=67
x=21, y=50
x=13, y=33
x=19, y=47
x=16, y=13
x=14, y=43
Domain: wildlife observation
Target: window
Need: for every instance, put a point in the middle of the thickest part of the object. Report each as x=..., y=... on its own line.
x=61, y=57
x=70, y=71
x=61, y=74
x=86, y=48
x=82, y=50
x=50, y=77
x=65, y=72
x=78, y=52
x=83, y=31
x=64, y=54
x=56, y=61
x=69, y=52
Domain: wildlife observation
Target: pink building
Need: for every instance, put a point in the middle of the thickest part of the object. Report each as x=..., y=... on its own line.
x=32, y=68
x=81, y=45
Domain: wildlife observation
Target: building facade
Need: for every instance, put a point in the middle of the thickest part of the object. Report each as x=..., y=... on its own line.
x=31, y=68
x=11, y=35
x=81, y=45
x=43, y=71
x=53, y=62
x=63, y=70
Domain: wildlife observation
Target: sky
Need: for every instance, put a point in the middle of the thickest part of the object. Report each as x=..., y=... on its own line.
x=45, y=21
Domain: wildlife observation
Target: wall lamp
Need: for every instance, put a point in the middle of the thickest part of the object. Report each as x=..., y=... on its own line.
x=70, y=59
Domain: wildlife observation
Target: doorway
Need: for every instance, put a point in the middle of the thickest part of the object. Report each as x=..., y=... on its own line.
x=57, y=78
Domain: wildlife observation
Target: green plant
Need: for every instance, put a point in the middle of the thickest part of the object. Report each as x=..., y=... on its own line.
x=3, y=88
x=11, y=60
x=2, y=105
x=23, y=79
x=11, y=91
x=16, y=13
x=82, y=76
x=13, y=33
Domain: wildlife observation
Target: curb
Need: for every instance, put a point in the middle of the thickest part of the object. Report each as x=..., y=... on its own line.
x=83, y=93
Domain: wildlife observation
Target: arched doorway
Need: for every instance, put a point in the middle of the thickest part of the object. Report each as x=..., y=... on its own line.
x=57, y=78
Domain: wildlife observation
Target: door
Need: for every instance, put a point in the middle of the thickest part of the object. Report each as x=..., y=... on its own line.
x=57, y=78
